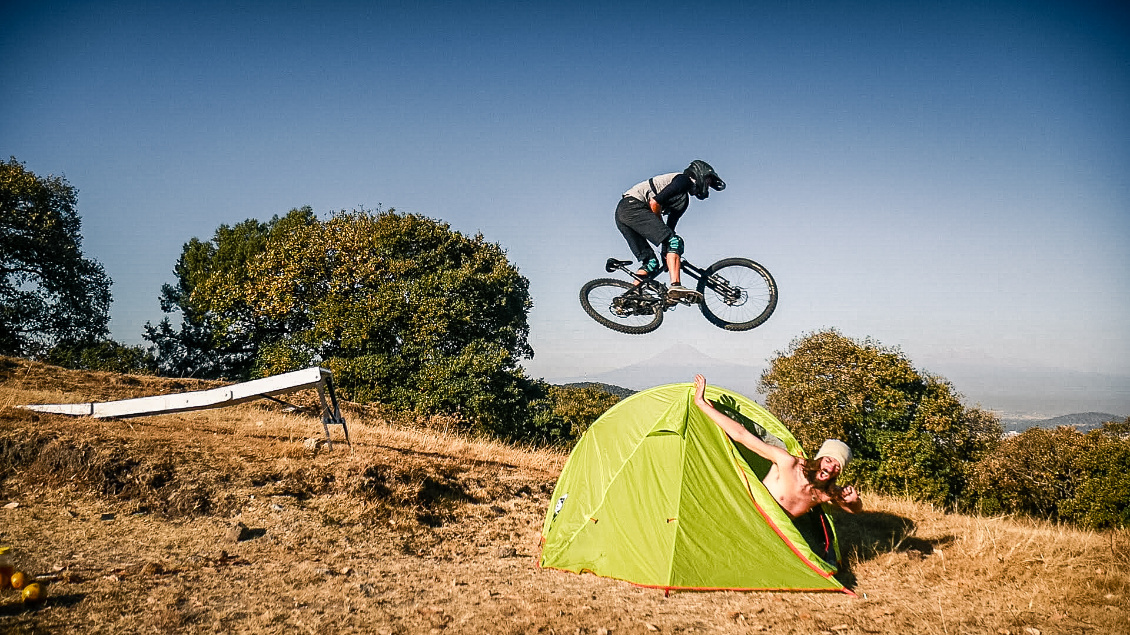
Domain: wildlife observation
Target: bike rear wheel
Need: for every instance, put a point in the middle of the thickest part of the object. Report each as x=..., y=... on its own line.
x=622, y=306
x=738, y=294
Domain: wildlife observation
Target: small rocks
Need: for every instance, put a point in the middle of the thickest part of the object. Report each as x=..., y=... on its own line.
x=152, y=568
x=238, y=532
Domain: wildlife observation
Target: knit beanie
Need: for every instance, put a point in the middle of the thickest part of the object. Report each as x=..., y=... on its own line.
x=837, y=450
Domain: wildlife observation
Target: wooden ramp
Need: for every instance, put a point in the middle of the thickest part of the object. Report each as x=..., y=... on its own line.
x=315, y=377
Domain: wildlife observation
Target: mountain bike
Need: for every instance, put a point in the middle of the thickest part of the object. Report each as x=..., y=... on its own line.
x=737, y=295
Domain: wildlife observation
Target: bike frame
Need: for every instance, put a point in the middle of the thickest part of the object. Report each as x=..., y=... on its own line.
x=685, y=266
x=732, y=295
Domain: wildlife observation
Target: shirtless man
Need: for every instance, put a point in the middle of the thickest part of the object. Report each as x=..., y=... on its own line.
x=798, y=484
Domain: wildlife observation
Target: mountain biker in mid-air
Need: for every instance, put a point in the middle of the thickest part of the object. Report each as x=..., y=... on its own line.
x=639, y=219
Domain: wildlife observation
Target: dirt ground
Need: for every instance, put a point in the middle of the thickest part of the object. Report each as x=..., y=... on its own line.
x=231, y=520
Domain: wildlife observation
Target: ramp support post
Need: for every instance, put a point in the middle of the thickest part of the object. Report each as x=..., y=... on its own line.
x=331, y=412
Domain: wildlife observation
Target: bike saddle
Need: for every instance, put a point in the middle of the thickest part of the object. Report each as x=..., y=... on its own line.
x=613, y=264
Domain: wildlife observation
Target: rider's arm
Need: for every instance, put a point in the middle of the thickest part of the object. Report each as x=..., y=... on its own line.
x=681, y=184
x=673, y=219
x=737, y=431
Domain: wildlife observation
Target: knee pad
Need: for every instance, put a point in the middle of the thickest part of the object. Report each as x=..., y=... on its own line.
x=675, y=244
x=652, y=265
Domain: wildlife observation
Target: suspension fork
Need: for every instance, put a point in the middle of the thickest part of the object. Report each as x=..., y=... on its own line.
x=716, y=283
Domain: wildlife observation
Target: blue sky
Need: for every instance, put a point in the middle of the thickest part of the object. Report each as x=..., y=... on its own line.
x=951, y=178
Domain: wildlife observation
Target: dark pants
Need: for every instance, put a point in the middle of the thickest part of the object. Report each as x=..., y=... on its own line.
x=640, y=225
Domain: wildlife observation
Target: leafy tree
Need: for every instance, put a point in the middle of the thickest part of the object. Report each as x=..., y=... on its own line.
x=563, y=413
x=1058, y=474
x=218, y=337
x=106, y=355
x=909, y=431
x=1103, y=496
x=404, y=310
x=580, y=406
x=50, y=294
x=1028, y=473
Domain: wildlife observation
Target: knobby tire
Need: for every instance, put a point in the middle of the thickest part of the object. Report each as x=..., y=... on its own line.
x=597, y=300
x=744, y=301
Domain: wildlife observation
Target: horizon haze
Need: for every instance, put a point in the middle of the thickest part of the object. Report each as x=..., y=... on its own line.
x=1011, y=394
x=951, y=178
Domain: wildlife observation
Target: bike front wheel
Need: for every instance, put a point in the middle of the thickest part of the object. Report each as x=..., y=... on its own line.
x=622, y=306
x=737, y=294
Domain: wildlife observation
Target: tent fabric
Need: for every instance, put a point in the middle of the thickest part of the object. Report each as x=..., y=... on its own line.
x=656, y=494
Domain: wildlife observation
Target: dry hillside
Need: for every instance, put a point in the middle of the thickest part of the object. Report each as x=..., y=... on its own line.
x=226, y=520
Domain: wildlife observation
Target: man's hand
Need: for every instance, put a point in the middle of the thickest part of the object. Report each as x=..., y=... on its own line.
x=655, y=206
x=849, y=500
x=699, y=390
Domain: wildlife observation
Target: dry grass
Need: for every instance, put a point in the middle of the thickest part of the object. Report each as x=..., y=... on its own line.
x=228, y=520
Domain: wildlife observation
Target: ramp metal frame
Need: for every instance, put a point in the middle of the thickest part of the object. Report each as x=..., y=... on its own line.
x=320, y=379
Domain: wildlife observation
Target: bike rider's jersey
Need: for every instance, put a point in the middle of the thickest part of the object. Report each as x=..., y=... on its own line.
x=668, y=190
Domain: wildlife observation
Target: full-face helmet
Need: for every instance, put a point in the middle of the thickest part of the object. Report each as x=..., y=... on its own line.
x=705, y=179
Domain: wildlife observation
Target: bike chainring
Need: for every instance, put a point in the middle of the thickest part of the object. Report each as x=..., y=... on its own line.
x=631, y=303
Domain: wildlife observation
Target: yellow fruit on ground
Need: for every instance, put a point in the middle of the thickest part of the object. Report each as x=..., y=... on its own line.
x=33, y=593
x=19, y=579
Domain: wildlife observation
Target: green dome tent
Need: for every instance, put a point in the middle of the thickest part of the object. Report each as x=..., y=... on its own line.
x=656, y=494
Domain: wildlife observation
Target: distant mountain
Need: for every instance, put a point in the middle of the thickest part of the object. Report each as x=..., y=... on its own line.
x=1082, y=421
x=619, y=391
x=1022, y=397
x=1037, y=392
x=678, y=364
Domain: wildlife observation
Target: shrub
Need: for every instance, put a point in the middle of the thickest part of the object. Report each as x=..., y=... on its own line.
x=566, y=412
x=109, y=356
x=1059, y=474
x=909, y=431
x=1029, y=473
x=1103, y=496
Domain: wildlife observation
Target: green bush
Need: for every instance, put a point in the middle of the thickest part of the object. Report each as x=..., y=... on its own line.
x=109, y=356
x=909, y=431
x=566, y=412
x=1059, y=474
x=1103, y=496
x=1029, y=473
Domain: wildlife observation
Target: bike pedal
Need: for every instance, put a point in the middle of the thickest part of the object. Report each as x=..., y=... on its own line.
x=684, y=296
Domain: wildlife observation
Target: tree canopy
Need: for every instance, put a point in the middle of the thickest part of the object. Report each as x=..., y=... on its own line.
x=909, y=431
x=218, y=337
x=404, y=310
x=50, y=294
x=1059, y=474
